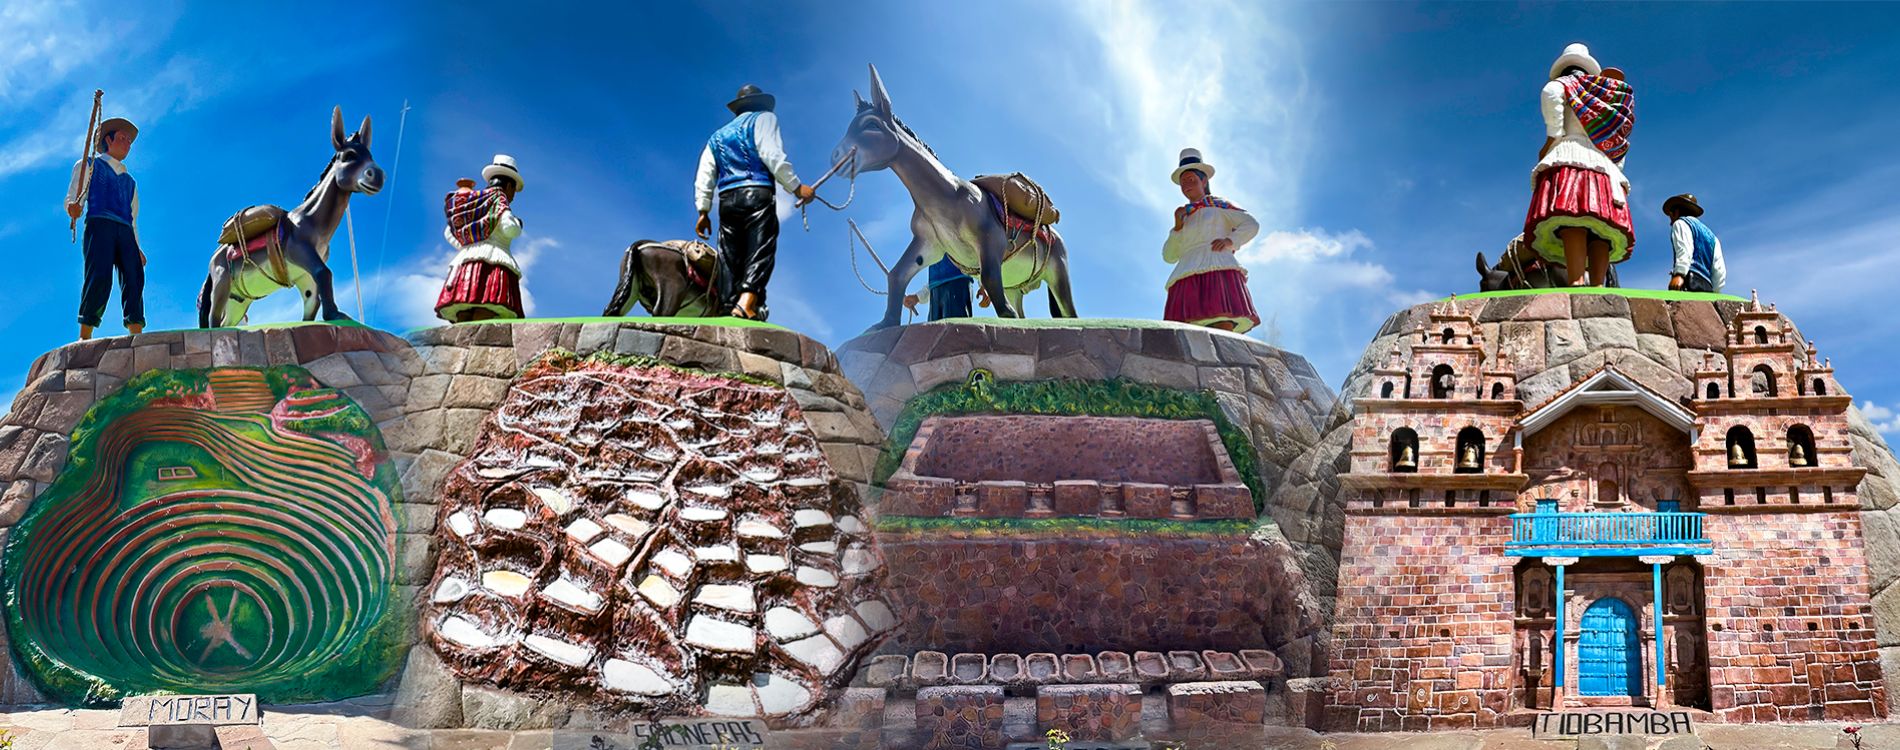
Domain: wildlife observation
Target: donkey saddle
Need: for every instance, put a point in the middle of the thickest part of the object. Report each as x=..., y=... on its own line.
x=251, y=229
x=1021, y=196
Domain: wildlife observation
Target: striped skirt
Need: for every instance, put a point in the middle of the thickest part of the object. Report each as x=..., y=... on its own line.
x=479, y=286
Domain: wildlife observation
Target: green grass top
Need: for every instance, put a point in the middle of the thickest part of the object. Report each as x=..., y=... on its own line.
x=1073, y=323
x=728, y=322
x=1662, y=294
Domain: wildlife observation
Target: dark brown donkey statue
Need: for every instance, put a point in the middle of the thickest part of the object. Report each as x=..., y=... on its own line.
x=1011, y=255
x=265, y=248
x=669, y=278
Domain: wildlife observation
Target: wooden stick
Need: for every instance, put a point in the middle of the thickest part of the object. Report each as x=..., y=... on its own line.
x=85, y=159
x=848, y=157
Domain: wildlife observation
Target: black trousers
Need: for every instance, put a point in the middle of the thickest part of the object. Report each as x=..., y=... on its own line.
x=748, y=242
x=111, y=246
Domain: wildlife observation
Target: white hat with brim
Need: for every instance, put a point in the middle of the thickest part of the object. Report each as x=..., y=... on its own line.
x=1575, y=56
x=504, y=166
x=1191, y=161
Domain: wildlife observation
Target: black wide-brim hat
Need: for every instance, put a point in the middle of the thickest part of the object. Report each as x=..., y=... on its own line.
x=751, y=99
x=1683, y=204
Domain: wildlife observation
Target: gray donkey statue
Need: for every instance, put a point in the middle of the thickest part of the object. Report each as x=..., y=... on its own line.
x=265, y=248
x=953, y=217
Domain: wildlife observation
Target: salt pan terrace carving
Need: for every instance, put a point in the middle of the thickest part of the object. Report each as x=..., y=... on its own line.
x=1109, y=467
x=655, y=541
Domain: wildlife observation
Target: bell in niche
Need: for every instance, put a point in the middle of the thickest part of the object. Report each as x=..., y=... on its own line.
x=1468, y=457
x=1736, y=458
x=1797, y=455
x=1407, y=461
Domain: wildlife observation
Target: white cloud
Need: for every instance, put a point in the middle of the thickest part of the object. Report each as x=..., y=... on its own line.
x=401, y=298
x=1884, y=419
x=1217, y=76
x=41, y=43
x=1229, y=78
x=178, y=84
x=792, y=311
x=1319, y=291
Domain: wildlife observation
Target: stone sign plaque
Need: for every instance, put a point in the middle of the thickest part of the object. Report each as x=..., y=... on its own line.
x=675, y=734
x=209, y=710
x=1578, y=723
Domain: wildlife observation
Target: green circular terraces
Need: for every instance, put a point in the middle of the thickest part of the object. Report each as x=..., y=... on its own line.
x=221, y=531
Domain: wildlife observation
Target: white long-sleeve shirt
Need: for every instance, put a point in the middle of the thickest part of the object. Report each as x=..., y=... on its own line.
x=79, y=174
x=1191, y=249
x=1572, y=146
x=771, y=151
x=1683, y=239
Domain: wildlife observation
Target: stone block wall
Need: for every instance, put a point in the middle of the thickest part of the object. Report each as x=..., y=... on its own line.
x=1422, y=637
x=1074, y=594
x=1790, y=634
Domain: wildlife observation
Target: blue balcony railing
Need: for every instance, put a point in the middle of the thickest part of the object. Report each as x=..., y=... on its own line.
x=1606, y=533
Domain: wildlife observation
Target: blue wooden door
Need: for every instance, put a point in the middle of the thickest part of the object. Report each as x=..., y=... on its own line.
x=1609, y=658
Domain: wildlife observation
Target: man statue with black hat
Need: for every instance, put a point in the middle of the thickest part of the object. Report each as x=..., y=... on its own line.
x=740, y=164
x=1698, y=265
x=109, y=197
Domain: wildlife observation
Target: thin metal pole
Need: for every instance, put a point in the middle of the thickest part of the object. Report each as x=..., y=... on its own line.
x=395, y=169
x=350, y=224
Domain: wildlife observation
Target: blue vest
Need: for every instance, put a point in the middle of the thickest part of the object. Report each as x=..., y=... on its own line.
x=1702, y=262
x=736, y=156
x=946, y=271
x=109, y=195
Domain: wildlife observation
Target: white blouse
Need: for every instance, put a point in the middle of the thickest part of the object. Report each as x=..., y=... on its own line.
x=1191, y=251
x=1572, y=146
x=493, y=250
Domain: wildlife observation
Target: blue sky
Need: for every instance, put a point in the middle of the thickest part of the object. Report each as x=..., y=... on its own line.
x=1380, y=145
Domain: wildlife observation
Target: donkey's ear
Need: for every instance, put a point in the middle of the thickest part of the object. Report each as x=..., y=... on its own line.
x=880, y=99
x=857, y=99
x=337, y=138
x=362, y=133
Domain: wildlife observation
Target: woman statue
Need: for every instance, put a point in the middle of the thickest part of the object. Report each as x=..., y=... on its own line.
x=1579, y=213
x=484, y=282
x=1208, y=286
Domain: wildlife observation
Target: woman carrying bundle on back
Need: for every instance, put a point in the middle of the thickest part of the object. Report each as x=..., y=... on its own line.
x=484, y=281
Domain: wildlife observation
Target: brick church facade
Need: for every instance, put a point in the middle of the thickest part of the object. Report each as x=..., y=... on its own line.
x=1609, y=547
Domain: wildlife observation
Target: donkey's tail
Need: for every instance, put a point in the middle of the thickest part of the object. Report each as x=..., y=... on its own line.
x=628, y=290
x=204, y=304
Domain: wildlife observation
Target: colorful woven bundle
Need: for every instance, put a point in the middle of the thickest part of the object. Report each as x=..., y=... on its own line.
x=1607, y=109
x=473, y=214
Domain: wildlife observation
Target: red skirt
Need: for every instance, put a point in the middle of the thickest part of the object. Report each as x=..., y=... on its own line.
x=479, y=286
x=1576, y=197
x=1213, y=297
